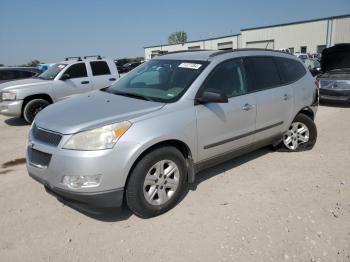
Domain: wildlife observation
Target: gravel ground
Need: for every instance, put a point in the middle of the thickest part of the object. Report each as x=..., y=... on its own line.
x=265, y=206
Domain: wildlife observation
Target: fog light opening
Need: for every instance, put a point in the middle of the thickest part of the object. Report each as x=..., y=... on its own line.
x=76, y=182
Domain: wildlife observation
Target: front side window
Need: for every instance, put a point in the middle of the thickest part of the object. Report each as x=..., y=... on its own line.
x=229, y=78
x=77, y=70
x=262, y=73
x=159, y=80
x=52, y=71
x=99, y=68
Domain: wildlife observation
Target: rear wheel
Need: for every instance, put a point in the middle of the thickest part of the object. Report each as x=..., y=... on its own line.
x=302, y=134
x=156, y=182
x=33, y=107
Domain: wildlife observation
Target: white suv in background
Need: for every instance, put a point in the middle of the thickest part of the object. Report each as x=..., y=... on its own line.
x=26, y=98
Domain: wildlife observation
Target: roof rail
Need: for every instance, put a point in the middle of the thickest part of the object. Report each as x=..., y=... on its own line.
x=97, y=56
x=73, y=57
x=186, y=51
x=247, y=49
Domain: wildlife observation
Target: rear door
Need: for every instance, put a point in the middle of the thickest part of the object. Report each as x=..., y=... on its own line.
x=78, y=82
x=225, y=127
x=102, y=74
x=274, y=100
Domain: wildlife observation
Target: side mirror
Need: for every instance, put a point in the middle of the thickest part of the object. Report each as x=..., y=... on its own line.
x=212, y=96
x=65, y=77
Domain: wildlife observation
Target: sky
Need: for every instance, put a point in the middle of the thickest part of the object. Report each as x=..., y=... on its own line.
x=52, y=30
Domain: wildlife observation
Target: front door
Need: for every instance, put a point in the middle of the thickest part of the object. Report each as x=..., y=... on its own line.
x=225, y=127
x=77, y=83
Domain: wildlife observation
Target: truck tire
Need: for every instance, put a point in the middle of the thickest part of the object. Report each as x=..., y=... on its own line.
x=33, y=107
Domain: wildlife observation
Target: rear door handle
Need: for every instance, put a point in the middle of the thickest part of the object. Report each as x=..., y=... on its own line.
x=247, y=107
x=285, y=97
x=112, y=79
x=85, y=82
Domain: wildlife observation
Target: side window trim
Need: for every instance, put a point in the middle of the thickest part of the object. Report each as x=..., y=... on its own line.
x=201, y=88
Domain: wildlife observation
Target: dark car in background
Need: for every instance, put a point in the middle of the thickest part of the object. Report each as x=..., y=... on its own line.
x=15, y=73
x=130, y=66
x=120, y=63
x=334, y=82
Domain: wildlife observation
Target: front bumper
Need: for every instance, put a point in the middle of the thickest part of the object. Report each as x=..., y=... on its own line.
x=104, y=199
x=49, y=164
x=338, y=95
x=11, y=108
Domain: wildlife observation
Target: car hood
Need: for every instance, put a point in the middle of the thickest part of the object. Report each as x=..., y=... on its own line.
x=335, y=57
x=92, y=110
x=24, y=83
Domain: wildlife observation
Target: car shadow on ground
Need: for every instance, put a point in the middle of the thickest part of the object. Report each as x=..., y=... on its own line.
x=102, y=214
x=16, y=121
x=123, y=213
x=230, y=164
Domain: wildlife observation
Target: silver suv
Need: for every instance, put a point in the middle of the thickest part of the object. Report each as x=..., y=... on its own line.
x=144, y=138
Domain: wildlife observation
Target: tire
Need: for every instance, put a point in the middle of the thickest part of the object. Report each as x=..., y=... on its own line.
x=301, y=136
x=157, y=194
x=33, y=107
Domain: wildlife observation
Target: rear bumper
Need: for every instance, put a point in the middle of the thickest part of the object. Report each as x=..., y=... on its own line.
x=334, y=95
x=104, y=199
x=11, y=108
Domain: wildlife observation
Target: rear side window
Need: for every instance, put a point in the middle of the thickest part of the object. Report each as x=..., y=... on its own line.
x=100, y=68
x=228, y=77
x=262, y=73
x=24, y=74
x=77, y=70
x=7, y=75
x=291, y=70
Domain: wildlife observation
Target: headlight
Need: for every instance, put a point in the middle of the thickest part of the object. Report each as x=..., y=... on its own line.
x=8, y=96
x=97, y=139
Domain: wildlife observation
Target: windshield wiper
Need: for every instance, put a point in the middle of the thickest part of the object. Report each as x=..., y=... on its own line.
x=133, y=95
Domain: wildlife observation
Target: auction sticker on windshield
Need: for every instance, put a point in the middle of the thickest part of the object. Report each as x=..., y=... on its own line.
x=190, y=65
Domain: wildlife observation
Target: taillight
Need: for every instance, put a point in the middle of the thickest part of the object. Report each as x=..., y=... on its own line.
x=317, y=84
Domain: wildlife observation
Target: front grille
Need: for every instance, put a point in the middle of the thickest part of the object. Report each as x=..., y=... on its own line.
x=38, y=158
x=46, y=137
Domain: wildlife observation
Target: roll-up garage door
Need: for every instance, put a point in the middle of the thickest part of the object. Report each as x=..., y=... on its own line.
x=225, y=45
x=265, y=44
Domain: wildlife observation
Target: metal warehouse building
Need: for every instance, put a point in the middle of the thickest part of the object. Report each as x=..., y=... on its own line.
x=310, y=36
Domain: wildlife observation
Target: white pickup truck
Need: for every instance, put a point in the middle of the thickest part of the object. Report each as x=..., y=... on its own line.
x=76, y=75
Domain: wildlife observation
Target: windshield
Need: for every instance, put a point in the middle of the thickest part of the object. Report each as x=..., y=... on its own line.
x=159, y=80
x=52, y=71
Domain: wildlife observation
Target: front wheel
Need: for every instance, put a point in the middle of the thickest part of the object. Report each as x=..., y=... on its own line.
x=301, y=135
x=33, y=107
x=156, y=182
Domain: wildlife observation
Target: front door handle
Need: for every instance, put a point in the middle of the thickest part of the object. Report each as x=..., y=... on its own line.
x=85, y=82
x=247, y=107
x=112, y=79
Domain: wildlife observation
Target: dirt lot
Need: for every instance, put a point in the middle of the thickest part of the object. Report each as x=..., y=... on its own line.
x=265, y=206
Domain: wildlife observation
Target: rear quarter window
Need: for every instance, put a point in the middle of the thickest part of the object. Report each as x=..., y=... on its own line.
x=290, y=69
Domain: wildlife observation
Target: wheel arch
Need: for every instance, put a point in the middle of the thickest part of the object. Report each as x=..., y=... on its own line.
x=307, y=111
x=36, y=96
x=178, y=144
